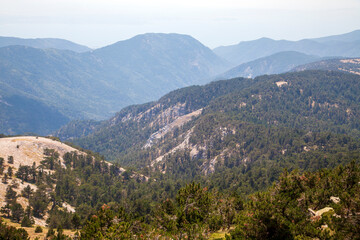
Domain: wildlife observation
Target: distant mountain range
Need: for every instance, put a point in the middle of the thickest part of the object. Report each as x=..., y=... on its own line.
x=345, y=45
x=70, y=81
x=96, y=84
x=273, y=64
x=44, y=43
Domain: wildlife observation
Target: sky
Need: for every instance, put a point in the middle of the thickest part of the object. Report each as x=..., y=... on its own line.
x=97, y=23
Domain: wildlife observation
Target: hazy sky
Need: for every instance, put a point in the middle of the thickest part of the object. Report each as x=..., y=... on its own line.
x=98, y=23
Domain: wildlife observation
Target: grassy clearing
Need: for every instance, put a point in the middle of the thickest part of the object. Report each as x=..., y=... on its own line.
x=31, y=230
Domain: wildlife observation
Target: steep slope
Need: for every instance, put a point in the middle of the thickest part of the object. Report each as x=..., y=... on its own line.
x=94, y=85
x=44, y=43
x=132, y=126
x=274, y=64
x=349, y=65
x=310, y=101
x=251, y=50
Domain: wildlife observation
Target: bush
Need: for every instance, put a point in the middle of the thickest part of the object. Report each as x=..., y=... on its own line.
x=26, y=222
x=38, y=229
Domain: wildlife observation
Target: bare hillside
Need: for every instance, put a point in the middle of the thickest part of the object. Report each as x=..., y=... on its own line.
x=26, y=151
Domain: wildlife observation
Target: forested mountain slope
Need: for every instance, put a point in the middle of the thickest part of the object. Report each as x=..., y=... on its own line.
x=349, y=65
x=133, y=125
x=237, y=143
x=234, y=137
x=313, y=101
x=243, y=137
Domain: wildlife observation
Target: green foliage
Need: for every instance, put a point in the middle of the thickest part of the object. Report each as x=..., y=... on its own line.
x=248, y=132
x=39, y=202
x=108, y=223
x=27, y=192
x=10, y=195
x=282, y=211
x=9, y=232
x=17, y=212
x=38, y=229
x=10, y=159
x=27, y=222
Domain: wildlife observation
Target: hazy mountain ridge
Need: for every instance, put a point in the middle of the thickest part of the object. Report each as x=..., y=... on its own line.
x=65, y=80
x=347, y=37
x=94, y=85
x=20, y=113
x=44, y=43
x=328, y=46
x=273, y=64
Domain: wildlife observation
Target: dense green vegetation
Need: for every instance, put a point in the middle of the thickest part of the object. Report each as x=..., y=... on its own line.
x=313, y=101
x=8, y=232
x=221, y=169
x=282, y=211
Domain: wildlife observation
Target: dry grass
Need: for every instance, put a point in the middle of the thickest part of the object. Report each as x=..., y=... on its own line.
x=31, y=230
x=26, y=150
